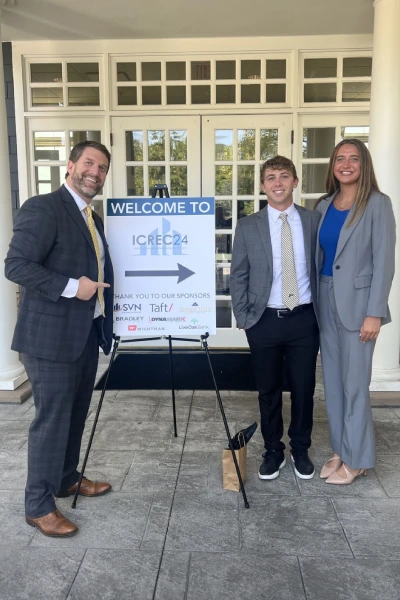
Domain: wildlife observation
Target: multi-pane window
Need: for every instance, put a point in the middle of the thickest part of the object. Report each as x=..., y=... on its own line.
x=337, y=79
x=200, y=81
x=64, y=84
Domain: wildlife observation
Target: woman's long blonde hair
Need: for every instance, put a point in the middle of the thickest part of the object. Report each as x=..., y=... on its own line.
x=366, y=184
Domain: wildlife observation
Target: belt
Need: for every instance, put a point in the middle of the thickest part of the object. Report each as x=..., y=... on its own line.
x=281, y=313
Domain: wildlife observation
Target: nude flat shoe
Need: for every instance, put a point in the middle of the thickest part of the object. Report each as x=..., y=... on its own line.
x=336, y=479
x=335, y=463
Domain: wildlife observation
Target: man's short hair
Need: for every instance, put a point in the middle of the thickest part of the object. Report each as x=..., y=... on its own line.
x=278, y=163
x=79, y=149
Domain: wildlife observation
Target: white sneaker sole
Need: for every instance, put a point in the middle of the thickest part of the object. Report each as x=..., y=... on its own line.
x=274, y=475
x=300, y=475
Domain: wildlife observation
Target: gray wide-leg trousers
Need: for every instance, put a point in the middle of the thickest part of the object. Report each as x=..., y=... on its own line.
x=346, y=367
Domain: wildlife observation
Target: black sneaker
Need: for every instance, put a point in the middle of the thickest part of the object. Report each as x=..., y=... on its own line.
x=272, y=463
x=303, y=466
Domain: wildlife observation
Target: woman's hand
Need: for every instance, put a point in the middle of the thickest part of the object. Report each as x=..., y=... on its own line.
x=370, y=329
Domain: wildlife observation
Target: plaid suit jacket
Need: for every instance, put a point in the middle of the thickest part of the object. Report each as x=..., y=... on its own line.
x=52, y=243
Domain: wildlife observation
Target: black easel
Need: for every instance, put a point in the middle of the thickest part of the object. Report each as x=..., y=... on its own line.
x=162, y=189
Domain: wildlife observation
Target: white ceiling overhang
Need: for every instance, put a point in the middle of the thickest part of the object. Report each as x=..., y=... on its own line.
x=152, y=19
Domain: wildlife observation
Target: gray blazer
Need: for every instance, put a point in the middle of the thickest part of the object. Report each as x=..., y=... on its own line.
x=363, y=268
x=252, y=263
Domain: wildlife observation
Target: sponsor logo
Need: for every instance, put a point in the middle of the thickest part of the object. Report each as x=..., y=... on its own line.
x=128, y=308
x=194, y=321
x=170, y=319
x=163, y=307
x=193, y=327
x=132, y=327
x=195, y=309
x=130, y=319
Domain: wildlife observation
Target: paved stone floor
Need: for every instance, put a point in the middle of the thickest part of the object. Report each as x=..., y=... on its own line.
x=168, y=531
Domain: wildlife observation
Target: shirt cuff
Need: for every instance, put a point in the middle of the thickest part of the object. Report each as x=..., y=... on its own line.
x=71, y=288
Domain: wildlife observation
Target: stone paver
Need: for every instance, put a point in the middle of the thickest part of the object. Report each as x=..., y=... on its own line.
x=168, y=530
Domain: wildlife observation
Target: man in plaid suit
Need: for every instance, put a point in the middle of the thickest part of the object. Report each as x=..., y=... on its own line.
x=62, y=321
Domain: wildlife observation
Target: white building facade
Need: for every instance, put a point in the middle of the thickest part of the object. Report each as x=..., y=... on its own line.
x=202, y=115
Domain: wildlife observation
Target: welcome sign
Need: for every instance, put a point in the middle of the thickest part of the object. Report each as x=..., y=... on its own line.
x=163, y=252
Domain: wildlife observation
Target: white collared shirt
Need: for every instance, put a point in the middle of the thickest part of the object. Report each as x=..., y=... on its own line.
x=303, y=281
x=71, y=288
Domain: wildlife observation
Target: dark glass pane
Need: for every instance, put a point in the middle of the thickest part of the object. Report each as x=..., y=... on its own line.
x=176, y=71
x=225, y=94
x=223, y=214
x=250, y=93
x=176, y=94
x=357, y=66
x=126, y=71
x=46, y=72
x=318, y=142
x=83, y=96
x=250, y=69
x=263, y=203
x=48, y=179
x=151, y=95
x=224, y=314
x=314, y=178
x=275, y=92
x=82, y=72
x=225, y=69
x=356, y=91
x=276, y=69
x=320, y=67
x=200, y=70
x=82, y=136
x=320, y=92
x=201, y=94
x=151, y=71
x=223, y=247
x=127, y=96
x=245, y=208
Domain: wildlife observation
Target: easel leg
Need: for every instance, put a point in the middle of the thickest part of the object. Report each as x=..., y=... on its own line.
x=221, y=408
x=115, y=348
x=171, y=366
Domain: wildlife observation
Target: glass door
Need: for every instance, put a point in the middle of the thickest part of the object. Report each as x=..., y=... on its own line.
x=233, y=150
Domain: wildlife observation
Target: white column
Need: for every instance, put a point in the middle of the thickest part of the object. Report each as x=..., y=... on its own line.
x=12, y=373
x=384, y=144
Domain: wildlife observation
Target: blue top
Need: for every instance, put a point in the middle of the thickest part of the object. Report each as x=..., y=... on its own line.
x=329, y=236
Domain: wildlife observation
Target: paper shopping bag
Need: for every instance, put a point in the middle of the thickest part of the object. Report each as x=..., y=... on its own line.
x=229, y=476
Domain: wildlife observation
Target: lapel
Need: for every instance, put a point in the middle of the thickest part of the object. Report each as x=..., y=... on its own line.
x=263, y=230
x=346, y=232
x=75, y=213
x=306, y=224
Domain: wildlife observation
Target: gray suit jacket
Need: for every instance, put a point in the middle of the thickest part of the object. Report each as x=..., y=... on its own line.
x=52, y=243
x=363, y=268
x=252, y=263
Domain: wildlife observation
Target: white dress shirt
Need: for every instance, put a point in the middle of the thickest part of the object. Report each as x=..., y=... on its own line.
x=71, y=288
x=303, y=281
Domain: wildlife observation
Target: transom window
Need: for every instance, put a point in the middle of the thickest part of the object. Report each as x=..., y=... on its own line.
x=337, y=79
x=63, y=84
x=201, y=81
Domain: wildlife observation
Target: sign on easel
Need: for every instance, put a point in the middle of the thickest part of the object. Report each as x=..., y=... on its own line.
x=163, y=252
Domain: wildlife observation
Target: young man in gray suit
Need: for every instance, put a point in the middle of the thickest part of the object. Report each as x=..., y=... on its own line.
x=59, y=255
x=274, y=289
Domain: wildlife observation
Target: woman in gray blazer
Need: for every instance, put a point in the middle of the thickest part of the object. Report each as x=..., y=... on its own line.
x=355, y=260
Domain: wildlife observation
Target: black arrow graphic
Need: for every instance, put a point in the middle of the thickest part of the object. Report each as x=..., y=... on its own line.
x=182, y=273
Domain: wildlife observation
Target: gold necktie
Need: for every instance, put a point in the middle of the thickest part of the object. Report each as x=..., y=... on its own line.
x=93, y=233
x=290, y=291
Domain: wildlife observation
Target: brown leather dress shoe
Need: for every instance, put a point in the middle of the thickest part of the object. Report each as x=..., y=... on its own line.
x=53, y=525
x=88, y=488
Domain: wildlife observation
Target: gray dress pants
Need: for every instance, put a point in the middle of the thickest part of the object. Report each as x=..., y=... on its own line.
x=346, y=367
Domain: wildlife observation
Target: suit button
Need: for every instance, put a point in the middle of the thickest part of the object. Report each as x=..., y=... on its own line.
x=337, y=267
